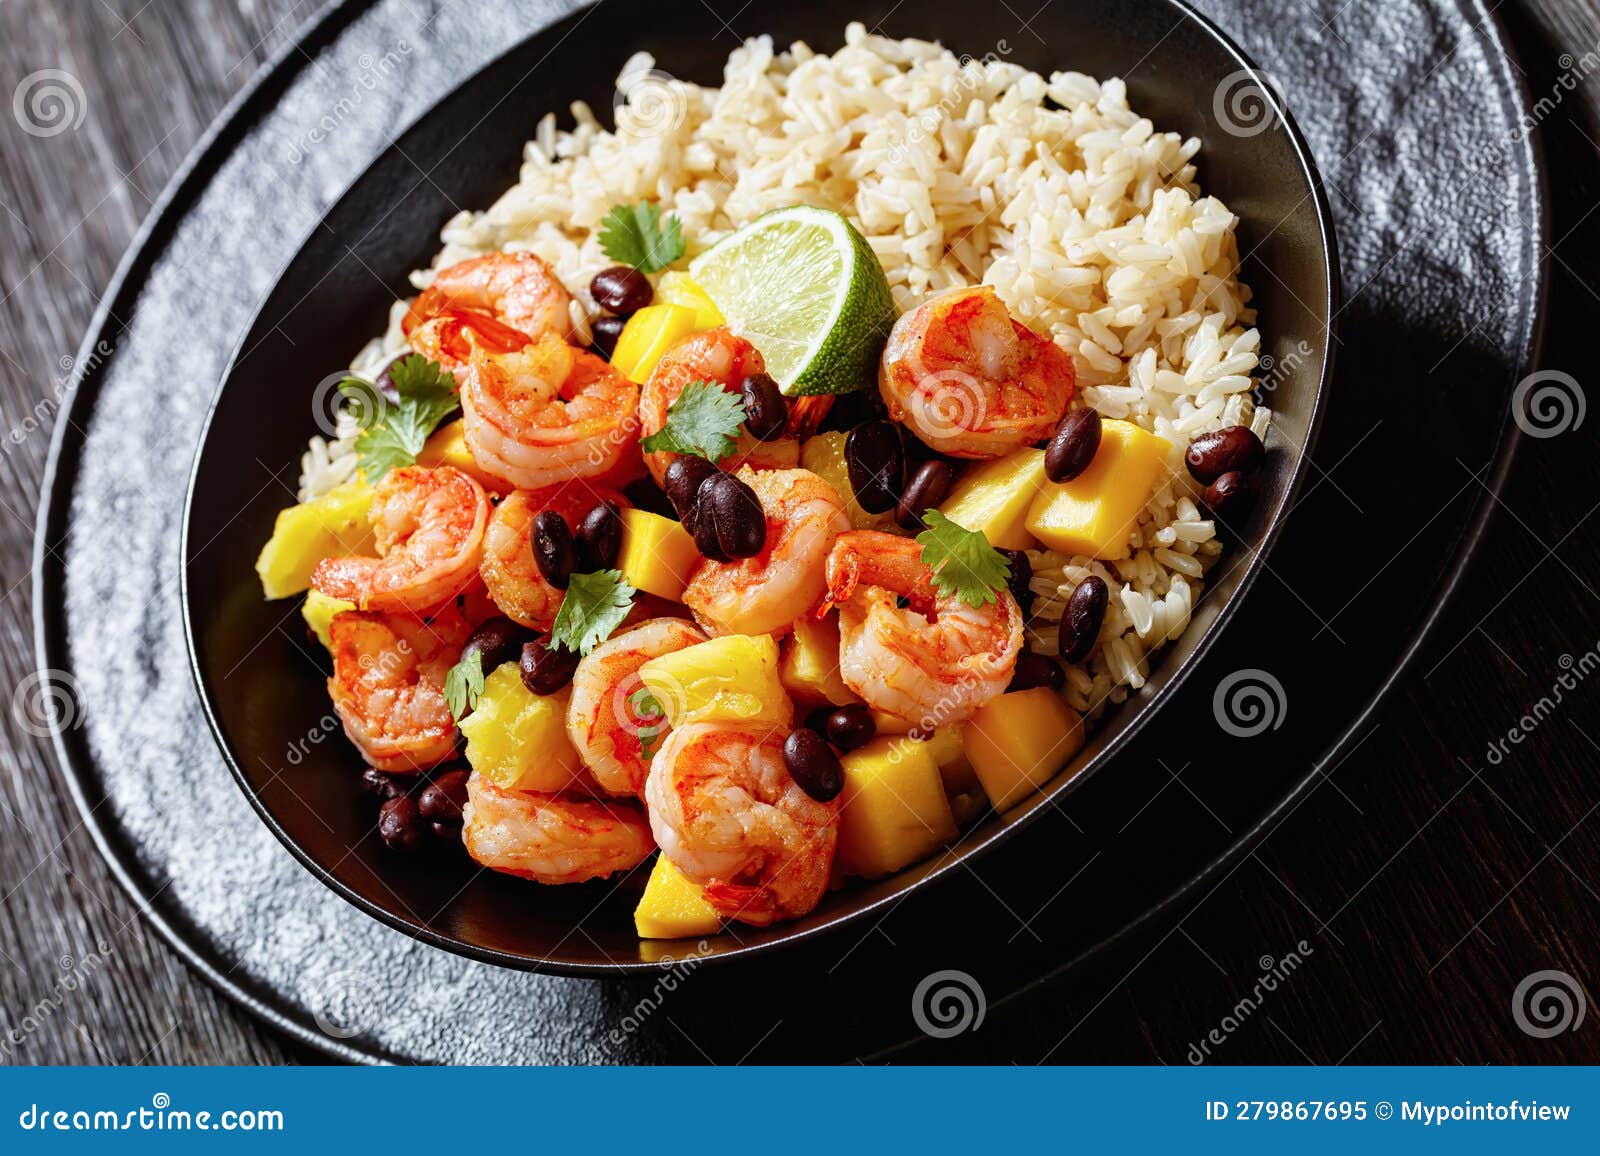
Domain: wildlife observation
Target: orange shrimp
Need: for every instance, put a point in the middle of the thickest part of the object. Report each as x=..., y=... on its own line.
x=500, y=301
x=765, y=593
x=936, y=660
x=429, y=526
x=727, y=813
x=552, y=838
x=970, y=381
x=548, y=414
x=509, y=571
x=388, y=685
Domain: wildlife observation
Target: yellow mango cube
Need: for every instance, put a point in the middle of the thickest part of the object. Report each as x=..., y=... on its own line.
x=672, y=907
x=517, y=739
x=648, y=334
x=1018, y=742
x=810, y=667
x=823, y=455
x=657, y=554
x=447, y=446
x=1095, y=512
x=680, y=289
x=885, y=723
x=948, y=749
x=319, y=611
x=332, y=526
x=894, y=811
x=733, y=678
x=995, y=496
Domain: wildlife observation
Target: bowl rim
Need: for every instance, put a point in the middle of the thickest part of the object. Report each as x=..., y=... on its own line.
x=966, y=848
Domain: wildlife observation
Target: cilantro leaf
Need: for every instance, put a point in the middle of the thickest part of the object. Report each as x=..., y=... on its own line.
x=962, y=560
x=464, y=683
x=653, y=720
x=594, y=606
x=704, y=421
x=637, y=235
x=392, y=435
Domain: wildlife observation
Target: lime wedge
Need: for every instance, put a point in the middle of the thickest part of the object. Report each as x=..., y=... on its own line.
x=806, y=290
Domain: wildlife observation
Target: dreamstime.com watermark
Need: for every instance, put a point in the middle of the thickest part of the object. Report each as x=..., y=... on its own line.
x=1573, y=672
x=948, y=1003
x=1250, y=702
x=373, y=72
x=1548, y=1003
x=42, y=413
x=953, y=101
x=75, y=973
x=665, y=985
x=1274, y=972
x=160, y=1116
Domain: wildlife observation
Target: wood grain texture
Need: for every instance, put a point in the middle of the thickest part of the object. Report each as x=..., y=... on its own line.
x=1426, y=880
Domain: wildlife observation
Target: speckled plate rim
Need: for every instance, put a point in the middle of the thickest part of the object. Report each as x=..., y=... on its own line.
x=974, y=843
x=203, y=162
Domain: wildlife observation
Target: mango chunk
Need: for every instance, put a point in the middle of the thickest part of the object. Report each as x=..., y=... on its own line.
x=823, y=455
x=657, y=554
x=680, y=289
x=1094, y=513
x=319, y=610
x=894, y=808
x=447, y=446
x=733, y=678
x=810, y=668
x=672, y=907
x=517, y=739
x=1019, y=741
x=648, y=334
x=948, y=749
x=995, y=497
x=332, y=526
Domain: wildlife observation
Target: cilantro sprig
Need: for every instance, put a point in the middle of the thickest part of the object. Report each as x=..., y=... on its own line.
x=704, y=420
x=464, y=683
x=962, y=561
x=638, y=235
x=595, y=605
x=392, y=434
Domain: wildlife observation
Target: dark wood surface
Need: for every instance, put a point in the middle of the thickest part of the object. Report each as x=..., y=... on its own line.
x=1427, y=880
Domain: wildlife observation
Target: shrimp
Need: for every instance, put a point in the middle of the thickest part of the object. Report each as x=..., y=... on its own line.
x=504, y=300
x=388, y=685
x=970, y=381
x=552, y=838
x=547, y=414
x=509, y=571
x=610, y=732
x=429, y=526
x=933, y=662
x=728, y=815
x=763, y=594
x=721, y=358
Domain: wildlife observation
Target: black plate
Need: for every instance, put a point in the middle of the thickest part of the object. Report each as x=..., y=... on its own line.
x=268, y=704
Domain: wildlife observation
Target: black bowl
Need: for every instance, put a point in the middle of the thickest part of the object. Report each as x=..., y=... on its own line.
x=263, y=696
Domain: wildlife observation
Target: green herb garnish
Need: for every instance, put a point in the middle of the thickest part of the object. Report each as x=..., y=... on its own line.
x=962, y=560
x=654, y=719
x=392, y=435
x=638, y=235
x=704, y=420
x=595, y=605
x=464, y=683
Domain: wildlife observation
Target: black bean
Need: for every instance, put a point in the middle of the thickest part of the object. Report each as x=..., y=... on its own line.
x=385, y=786
x=875, y=457
x=1021, y=576
x=603, y=333
x=400, y=824
x=704, y=531
x=812, y=764
x=851, y=409
x=622, y=289
x=554, y=548
x=497, y=640
x=446, y=832
x=927, y=488
x=646, y=495
x=766, y=411
x=1073, y=448
x=1232, y=450
x=1037, y=670
x=850, y=726
x=442, y=799
x=600, y=538
x=682, y=480
x=730, y=509
x=546, y=669
x=1229, y=497
x=1082, y=618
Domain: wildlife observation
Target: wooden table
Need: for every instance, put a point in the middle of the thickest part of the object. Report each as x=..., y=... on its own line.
x=1427, y=880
